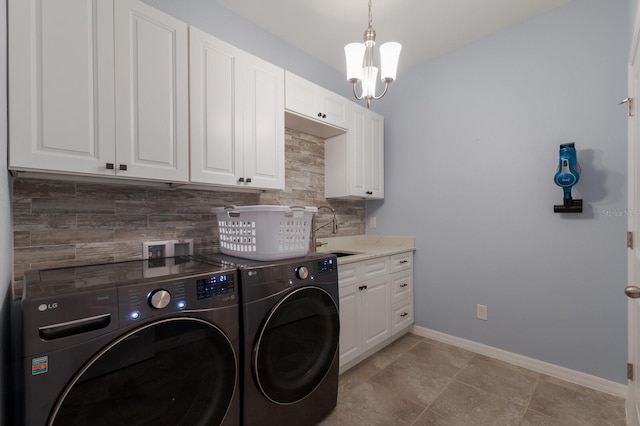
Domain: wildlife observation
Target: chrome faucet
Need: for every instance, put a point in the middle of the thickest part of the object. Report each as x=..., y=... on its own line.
x=313, y=243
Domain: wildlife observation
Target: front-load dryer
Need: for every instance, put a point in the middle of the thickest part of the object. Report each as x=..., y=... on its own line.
x=291, y=330
x=131, y=343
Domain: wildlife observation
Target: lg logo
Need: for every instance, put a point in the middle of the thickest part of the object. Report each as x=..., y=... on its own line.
x=43, y=307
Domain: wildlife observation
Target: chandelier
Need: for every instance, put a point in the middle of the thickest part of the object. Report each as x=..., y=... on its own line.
x=360, y=64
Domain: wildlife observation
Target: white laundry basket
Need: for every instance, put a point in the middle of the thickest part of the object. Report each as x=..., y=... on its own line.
x=264, y=232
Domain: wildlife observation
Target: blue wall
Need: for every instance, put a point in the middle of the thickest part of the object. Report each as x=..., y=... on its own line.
x=471, y=148
x=211, y=17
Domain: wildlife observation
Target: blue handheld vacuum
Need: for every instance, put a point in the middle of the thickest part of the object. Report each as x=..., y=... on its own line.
x=567, y=175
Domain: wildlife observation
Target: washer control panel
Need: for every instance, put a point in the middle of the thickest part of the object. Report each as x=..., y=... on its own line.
x=215, y=286
x=141, y=302
x=159, y=299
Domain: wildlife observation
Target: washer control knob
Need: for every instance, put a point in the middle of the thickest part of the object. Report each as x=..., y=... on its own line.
x=302, y=273
x=159, y=299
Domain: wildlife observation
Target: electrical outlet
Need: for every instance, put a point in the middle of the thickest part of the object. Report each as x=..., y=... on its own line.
x=157, y=251
x=481, y=312
x=183, y=247
x=372, y=222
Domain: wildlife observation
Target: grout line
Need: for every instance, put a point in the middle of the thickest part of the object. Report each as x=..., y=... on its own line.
x=533, y=390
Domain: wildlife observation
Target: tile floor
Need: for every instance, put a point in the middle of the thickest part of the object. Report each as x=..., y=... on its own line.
x=417, y=381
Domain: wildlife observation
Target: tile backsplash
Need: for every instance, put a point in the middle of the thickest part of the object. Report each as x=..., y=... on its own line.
x=60, y=223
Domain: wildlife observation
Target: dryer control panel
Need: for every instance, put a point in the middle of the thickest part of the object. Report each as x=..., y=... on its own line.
x=263, y=279
x=327, y=265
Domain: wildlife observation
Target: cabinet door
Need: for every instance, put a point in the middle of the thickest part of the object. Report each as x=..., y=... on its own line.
x=300, y=96
x=151, y=86
x=374, y=170
x=358, y=152
x=215, y=111
x=315, y=102
x=335, y=108
x=350, y=323
x=61, y=105
x=376, y=323
x=263, y=106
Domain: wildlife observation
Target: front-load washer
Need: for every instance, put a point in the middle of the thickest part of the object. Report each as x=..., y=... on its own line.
x=131, y=343
x=291, y=330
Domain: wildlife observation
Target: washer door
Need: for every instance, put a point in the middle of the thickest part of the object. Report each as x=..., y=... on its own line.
x=179, y=371
x=296, y=345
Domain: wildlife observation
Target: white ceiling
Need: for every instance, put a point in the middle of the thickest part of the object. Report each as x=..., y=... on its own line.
x=425, y=28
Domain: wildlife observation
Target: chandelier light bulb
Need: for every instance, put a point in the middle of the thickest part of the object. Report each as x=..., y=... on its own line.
x=369, y=82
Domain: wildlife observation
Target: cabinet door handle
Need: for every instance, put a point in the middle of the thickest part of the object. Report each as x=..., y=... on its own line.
x=123, y=167
x=362, y=287
x=369, y=193
x=403, y=285
x=404, y=314
x=403, y=261
x=241, y=179
x=248, y=180
x=110, y=166
x=321, y=115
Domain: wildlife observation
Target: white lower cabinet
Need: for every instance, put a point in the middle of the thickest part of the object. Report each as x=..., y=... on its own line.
x=401, y=266
x=375, y=311
x=376, y=303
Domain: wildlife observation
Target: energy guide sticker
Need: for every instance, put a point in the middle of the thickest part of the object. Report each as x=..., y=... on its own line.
x=39, y=365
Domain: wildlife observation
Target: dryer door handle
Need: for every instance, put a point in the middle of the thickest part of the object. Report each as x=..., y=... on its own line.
x=71, y=328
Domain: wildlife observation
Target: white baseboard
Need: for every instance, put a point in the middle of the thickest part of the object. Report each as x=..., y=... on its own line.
x=573, y=376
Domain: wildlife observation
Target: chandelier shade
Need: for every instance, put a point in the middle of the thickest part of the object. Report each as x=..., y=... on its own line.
x=389, y=56
x=361, y=68
x=355, y=55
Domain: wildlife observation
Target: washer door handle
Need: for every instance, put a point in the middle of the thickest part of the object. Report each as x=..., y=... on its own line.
x=70, y=328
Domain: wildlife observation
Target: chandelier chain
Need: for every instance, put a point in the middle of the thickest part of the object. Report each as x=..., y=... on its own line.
x=370, y=14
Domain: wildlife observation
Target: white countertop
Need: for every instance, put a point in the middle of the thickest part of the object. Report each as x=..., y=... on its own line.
x=366, y=246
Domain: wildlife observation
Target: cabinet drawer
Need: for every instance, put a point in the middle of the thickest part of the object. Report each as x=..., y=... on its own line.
x=402, y=315
x=401, y=285
x=402, y=261
x=349, y=274
x=374, y=267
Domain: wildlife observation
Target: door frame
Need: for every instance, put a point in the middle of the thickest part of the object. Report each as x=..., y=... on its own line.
x=633, y=393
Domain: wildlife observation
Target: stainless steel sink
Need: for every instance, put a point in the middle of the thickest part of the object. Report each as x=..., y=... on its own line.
x=343, y=253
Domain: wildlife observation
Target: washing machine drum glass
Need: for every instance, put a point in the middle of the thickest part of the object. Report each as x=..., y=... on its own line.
x=180, y=371
x=297, y=345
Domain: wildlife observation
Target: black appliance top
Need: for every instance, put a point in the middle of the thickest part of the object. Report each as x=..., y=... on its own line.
x=90, y=277
x=240, y=263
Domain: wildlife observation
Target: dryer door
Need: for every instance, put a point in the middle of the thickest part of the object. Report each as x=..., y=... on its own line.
x=297, y=345
x=179, y=371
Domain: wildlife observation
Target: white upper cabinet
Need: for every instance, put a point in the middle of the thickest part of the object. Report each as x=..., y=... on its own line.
x=237, y=116
x=73, y=64
x=316, y=103
x=354, y=162
x=152, y=93
x=61, y=85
